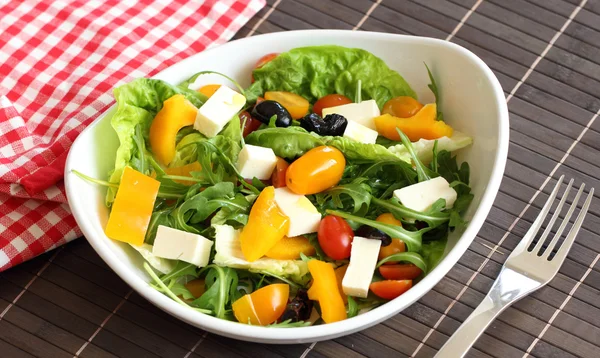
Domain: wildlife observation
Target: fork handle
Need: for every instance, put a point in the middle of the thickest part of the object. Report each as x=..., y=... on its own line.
x=466, y=335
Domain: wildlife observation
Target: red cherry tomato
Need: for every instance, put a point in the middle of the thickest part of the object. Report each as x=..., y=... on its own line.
x=335, y=237
x=331, y=100
x=250, y=124
x=400, y=272
x=263, y=61
x=390, y=289
x=278, y=177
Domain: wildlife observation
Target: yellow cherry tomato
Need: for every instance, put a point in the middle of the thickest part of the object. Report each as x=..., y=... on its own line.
x=402, y=107
x=263, y=306
x=266, y=226
x=397, y=245
x=209, y=90
x=318, y=169
x=295, y=104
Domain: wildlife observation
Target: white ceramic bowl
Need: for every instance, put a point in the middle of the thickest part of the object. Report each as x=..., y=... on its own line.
x=473, y=102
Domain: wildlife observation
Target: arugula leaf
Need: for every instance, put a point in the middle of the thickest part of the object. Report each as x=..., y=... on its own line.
x=339, y=69
x=289, y=324
x=413, y=239
x=182, y=269
x=221, y=286
x=161, y=287
x=458, y=177
x=357, y=192
x=434, y=88
x=434, y=217
x=199, y=207
x=352, y=310
x=423, y=173
x=180, y=290
x=432, y=253
x=159, y=217
x=412, y=257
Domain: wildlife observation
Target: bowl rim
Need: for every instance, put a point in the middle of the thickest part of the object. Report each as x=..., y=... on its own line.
x=327, y=331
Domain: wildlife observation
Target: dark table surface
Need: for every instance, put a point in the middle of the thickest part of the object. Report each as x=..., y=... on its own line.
x=546, y=54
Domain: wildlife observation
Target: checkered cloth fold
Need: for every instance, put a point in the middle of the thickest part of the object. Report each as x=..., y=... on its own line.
x=59, y=61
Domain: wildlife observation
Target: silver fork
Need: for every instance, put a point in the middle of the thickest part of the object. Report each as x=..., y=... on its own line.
x=523, y=272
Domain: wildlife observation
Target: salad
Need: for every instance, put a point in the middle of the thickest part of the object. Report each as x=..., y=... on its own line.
x=321, y=191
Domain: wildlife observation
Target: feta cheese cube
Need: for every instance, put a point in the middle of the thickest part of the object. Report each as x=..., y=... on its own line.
x=214, y=114
x=255, y=161
x=180, y=245
x=363, y=259
x=360, y=133
x=421, y=196
x=361, y=113
x=304, y=217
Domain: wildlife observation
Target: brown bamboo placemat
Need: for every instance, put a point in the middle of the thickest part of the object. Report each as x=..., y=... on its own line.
x=546, y=54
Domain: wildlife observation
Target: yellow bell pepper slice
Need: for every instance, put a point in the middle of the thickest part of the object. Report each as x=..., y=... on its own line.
x=290, y=248
x=132, y=208
x=422, y=125
x=325, y=290
x=266, y=226
x=177, y=112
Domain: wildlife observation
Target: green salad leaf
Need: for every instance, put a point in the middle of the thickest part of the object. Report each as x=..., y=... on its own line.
x=292, y=142
x=355, y=196
x=315, y=71
x=434, y=217
x=434, y=88
x=138, y=102
x=412, y=257
x=432, y=252
x=423, y=148
x=221, y=287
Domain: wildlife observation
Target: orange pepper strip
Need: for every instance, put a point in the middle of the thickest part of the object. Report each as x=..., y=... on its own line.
x=339, y=275
x=266, y=226
x=290, y=248
x=325, y=290
x=132, y=208
x=422, y=125
x=177, y=112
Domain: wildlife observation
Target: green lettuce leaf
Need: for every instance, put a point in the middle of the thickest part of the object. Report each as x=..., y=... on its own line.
x=138, y=102
x=424, y=147
x=291, y=142
x=315, y=71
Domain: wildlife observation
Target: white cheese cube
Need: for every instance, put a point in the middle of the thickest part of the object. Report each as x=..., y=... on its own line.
x=363, y=259
x=180, y=245
x=360, y=133
x=304, y=217
x=421, y=196
x=214, y=114
x=255, y=161
x=361, y=113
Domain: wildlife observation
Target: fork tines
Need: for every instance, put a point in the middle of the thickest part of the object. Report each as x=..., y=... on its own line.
x=568, y=241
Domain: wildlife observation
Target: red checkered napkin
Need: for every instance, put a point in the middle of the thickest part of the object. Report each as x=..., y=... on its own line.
x=59, y=61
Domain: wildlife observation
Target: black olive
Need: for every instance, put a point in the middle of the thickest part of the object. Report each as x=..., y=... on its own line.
x=312, y=122
x=336, y=124
x=267, y=109
x=331, y=125
x=299, y=309
x=374, y=234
